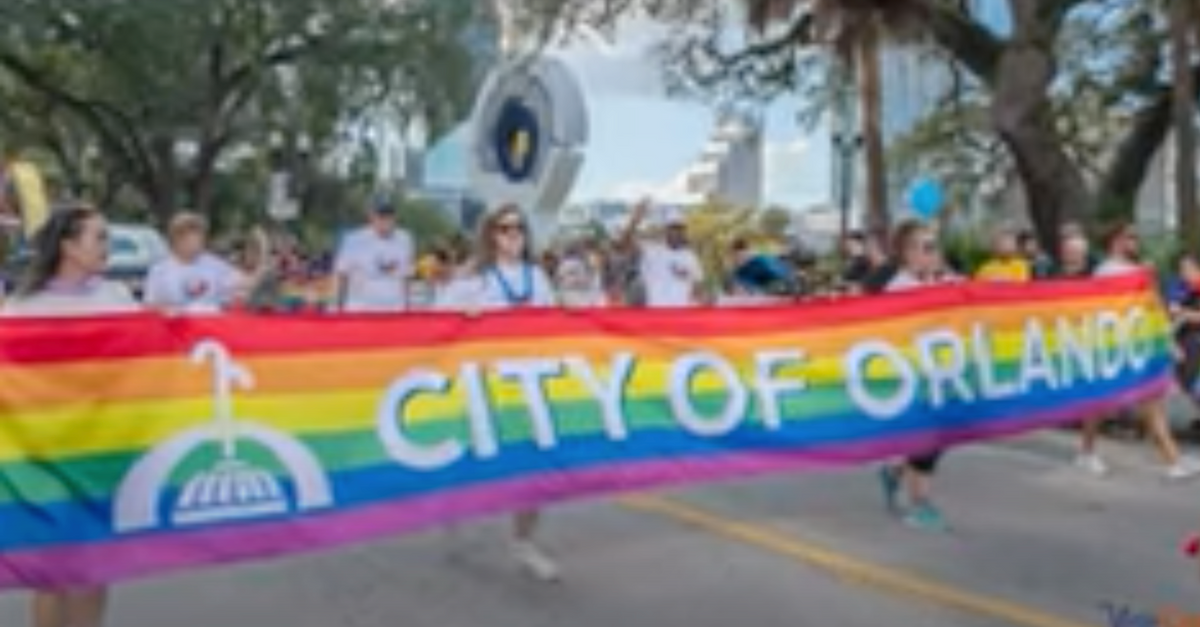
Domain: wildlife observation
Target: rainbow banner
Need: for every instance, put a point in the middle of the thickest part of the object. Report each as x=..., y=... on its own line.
x=132, y=446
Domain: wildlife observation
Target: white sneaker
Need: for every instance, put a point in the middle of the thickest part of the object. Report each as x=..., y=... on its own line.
x=1185, y=468
x=535, y=561
x=1093, y=464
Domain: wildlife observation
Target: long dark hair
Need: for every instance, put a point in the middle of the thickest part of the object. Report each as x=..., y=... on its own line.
x=902, y=240
x=65, y=224
x=485, y=249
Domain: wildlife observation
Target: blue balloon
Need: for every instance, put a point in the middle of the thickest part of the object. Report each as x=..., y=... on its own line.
x=926, y=198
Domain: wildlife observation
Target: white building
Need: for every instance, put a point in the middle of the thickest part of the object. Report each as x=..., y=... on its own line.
x=731, y=167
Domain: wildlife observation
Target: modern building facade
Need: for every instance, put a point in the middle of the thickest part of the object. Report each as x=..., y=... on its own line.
x=731, y=168
x=916, y=79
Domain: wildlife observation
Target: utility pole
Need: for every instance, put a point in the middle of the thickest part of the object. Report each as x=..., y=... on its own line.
x=847, y=141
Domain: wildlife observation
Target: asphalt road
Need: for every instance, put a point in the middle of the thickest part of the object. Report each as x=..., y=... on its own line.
x=1035, y=544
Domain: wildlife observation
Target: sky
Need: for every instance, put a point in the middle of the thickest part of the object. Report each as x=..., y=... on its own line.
x=641, y=140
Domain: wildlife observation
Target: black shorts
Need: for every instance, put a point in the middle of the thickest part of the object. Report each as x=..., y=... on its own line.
x=926, y=464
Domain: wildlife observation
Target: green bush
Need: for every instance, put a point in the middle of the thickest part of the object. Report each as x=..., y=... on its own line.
x=966, y=250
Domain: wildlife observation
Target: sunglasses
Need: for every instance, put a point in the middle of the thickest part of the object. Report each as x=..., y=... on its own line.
x=510, y=228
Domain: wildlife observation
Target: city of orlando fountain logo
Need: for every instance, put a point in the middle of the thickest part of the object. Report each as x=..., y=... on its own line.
x=234, y=488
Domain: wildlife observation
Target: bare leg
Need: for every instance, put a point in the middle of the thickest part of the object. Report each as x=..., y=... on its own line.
x=531, y=556
x=1090, y=435
x=917, y=485
x=1159, y=424
x=525, y=524
x=85, y=608
x=49, y=609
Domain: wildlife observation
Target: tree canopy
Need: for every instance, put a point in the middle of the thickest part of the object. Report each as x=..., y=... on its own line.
x=159, y=98
x=1105, y=59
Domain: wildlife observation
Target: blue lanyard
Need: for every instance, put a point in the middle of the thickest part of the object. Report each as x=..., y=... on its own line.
x=510, y=295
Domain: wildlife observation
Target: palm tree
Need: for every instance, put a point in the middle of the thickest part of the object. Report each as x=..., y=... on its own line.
x=1183, y=15
x=855, y=31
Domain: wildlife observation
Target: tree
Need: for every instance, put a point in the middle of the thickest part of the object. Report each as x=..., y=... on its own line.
x=168, y=90
x=1182, y=16
x=775, y=222
x=857, y=31
x=1020, y=72
x=852, y=32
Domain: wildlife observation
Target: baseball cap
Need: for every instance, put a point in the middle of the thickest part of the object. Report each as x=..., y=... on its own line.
x=673, y=216
x=383, y=206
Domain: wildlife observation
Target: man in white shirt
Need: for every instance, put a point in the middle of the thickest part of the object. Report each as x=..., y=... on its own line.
x=191, y=279
x=374, y=264
x=1123, y=252
x=1123, y=257
x=671, y=272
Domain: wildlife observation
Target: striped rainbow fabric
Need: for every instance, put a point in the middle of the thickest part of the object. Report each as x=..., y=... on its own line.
x=132, y=446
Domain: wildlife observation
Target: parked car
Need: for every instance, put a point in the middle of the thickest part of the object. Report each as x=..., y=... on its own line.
x=132, y=250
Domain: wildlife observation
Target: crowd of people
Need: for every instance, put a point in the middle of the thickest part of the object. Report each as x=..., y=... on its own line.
x=376, y=268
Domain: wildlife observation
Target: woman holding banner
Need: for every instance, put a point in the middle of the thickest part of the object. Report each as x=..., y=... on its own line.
x=919, y=265
x=505, y=275
x=65, y=278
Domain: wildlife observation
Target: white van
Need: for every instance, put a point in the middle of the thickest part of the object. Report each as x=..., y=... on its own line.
x=132, y=250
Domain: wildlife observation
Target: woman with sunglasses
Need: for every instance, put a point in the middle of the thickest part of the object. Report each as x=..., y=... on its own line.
x=65, y=278
x=506, y=275
x=919, y=264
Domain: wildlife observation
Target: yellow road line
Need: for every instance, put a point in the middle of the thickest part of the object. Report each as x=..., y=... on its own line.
x=891, y=580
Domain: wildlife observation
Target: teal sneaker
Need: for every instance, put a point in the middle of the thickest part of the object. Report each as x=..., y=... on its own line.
x=926, y=517
x=889, y=480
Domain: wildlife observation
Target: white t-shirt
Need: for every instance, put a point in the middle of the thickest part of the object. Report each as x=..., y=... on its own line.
x=96, y=297
x=507, y=286
x=904, y=280
x=205, y=284
x=1116, y=267
x=377, y=269
x=670, y=275
x=578, y=285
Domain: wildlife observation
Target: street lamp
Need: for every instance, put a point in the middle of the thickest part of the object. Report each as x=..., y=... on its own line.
x=846, y=141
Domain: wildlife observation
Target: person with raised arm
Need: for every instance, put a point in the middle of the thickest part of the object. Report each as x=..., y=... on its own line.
x=671, y=272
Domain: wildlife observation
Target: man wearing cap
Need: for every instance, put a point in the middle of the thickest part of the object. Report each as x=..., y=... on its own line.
x=671, y=271
x=374, y=264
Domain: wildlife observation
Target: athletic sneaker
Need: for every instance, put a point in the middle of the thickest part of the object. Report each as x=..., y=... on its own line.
x=534, y=561
x=1185, y=468
x=889, y=480
x=926, y=517
x=1093, y=464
